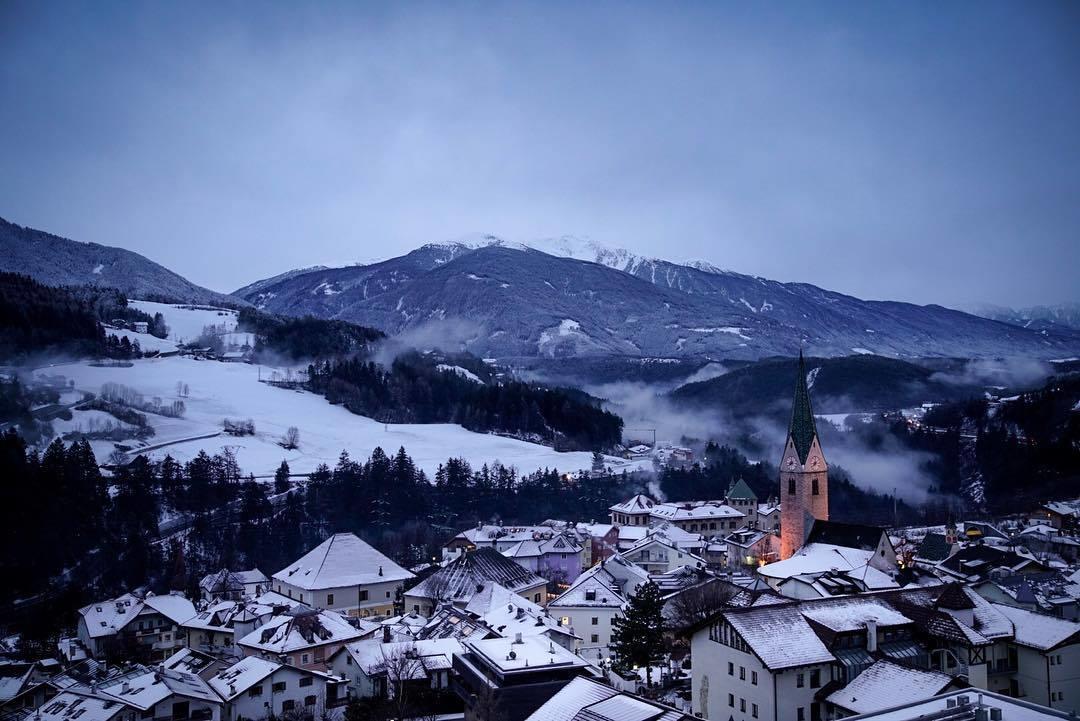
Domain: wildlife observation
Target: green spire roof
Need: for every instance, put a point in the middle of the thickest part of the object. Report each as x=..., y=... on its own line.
x=742, y=491
x=803, y=428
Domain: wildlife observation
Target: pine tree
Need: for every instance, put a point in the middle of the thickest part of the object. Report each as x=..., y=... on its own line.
x=637, y=637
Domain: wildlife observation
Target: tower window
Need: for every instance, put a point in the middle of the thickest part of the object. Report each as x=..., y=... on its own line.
x=791, y=486
x=814, y=487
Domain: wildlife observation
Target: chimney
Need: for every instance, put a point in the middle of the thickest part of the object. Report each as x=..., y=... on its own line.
x=386, y=634
x=517, y=637
x=871, y=636
x=125, y=687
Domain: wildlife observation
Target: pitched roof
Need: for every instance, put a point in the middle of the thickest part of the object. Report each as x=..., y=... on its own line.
x=779, y=635
x=1038, y=630
x=933, y=547
x=298, y=630
x=636, y=504
x=803, y=429
x=848, y=535
x=886, y=684
x=742, y=491
x=466, y=575
x=341, y=560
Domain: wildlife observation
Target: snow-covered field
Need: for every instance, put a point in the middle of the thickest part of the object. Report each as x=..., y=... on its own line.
x=232, y=390
x=217, y=391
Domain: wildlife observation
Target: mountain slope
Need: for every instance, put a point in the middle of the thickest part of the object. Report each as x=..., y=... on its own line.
x=53, y=260
x=1039, y=316
x=512, y=300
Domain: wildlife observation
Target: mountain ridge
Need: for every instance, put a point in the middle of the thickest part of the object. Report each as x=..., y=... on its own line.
x=55, y=260
x=519, y=301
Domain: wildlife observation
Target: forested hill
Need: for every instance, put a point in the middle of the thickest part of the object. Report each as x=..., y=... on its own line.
x=56, y=261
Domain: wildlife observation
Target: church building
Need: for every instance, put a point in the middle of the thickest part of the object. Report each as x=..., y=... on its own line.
x=804, y=475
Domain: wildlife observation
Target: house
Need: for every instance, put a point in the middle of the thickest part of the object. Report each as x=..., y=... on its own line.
x=977, y=562
x=656, y=554
x=150, y=626
x=817, y=559
x=163, y=694
x=1063, y=514
x=450, y=622
x=749, y=548
x=501, y=538
x=743, y=499
x=373, y=669
x=1043, y=659
x=1051, y=593
x=635, y=511
x=601, y=541
x=769, y=661
x=592, y=602
x=303, y=638
x=858, y=536
x=509, y=678
x=216, y=628
x=558, y=558
x=64, y=707
x=344, y=574
x=508, y=614
x=233, y=585
x=700, y=516
x=584, y=698
x=258, y=688
x=629, y=535
x=140, y=326
x=462, y=578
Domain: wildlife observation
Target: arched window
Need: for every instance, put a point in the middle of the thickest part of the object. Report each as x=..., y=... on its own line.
x=814, y=487
x=791, y=486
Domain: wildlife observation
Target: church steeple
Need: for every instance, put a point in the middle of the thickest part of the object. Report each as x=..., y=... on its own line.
x=802, y=429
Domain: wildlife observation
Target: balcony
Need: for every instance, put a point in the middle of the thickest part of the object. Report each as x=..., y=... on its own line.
x=1001, y=666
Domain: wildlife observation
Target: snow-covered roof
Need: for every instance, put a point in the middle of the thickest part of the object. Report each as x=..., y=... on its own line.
x=695, y=511
x=608, y=584
x=487, y=535
x=510, y=656
x=1065, y=508
x=299, y=630
x=149, y=688
x=460, y=579
x=341, y=560
x=852, y=612
x=507, y=613
x=373, y=656
x=173, y=607
x=1038, y=630
x=634, y=505
x=584, y=699
x=817, y=557
x=886, y=684
x=106, y=618
x=780, y=636
x=961, y=705
x=67, y=706
x=241, y=676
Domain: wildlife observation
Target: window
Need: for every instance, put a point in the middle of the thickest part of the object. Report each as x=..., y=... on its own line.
x=791, y=486
x=595, y=621
x=309, y=700
x=742, y=705
x=536, y=597
x=731, y=700
x=814, y=487
x=815, y=678
x=800, y=680
x=305, y=659
x=278, y=687
x=307, y=680
x=289, y=705
x=255, y=692
x=753, y=677
x=148, y=713
x=329, y=599
x=753, y=710
x=801, y=715
x=595, y=638
x=301, y=597
x=590, y=594
x=388, y=594
x=730, y=668
x=742, y=673
x=564, y=621
x=362, y=594
x=320, y=654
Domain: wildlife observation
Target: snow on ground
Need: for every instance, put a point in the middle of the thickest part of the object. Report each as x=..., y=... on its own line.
x=186, y=325
x=86, y=422
x=147, y=342
x=862, y=351
x=842, y=421
x=463, y=372
x=232, y=390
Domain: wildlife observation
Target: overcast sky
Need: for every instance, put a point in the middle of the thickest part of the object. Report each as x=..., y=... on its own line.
x=918, y=151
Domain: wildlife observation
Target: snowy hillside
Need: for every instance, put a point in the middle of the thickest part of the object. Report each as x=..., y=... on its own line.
x=217, y=391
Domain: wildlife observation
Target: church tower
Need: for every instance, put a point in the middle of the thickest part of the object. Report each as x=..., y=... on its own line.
x=804, y=477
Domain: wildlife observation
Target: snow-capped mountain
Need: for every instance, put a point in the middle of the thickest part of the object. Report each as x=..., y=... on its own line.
x=584, y=299
x=1039, y=316
x=53, y=260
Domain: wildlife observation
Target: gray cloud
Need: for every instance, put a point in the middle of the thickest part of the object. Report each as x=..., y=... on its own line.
x=883, y=150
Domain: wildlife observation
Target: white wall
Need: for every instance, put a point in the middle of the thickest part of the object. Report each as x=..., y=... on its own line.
x=270, y=701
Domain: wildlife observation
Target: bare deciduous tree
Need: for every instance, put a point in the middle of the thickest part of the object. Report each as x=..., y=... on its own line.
x=291, y=439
